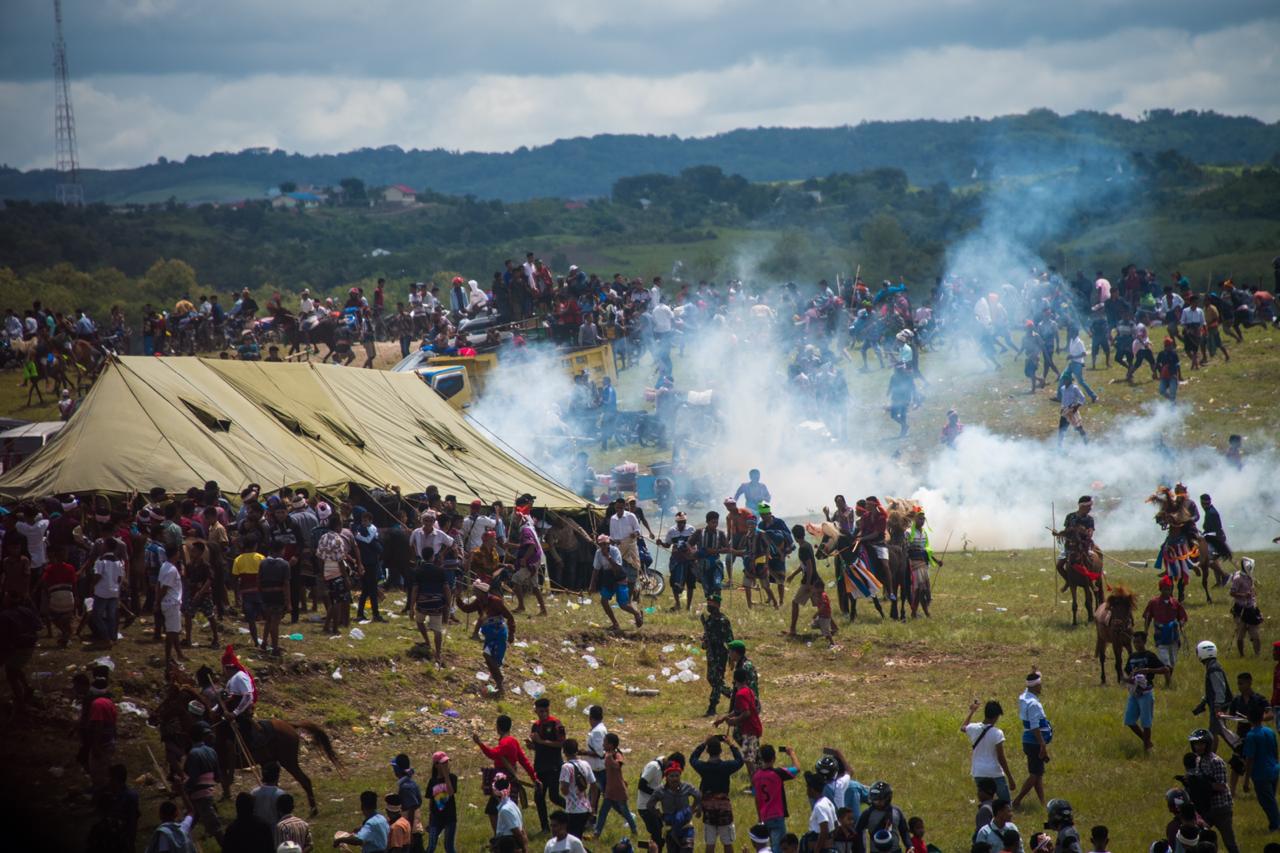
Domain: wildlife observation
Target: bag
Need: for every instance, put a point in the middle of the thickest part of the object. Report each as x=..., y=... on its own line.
x=1166, y=633
x=62, y=600
x=580, y=779
x=974, y=745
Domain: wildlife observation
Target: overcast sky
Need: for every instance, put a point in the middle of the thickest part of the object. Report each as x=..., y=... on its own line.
x=173, y=77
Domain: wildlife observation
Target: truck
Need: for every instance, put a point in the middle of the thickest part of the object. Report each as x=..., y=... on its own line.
x=461, y=379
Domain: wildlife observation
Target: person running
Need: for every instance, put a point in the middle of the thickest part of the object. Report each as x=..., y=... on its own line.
x=1262, y=765
x=708, y=543
x=811, y=583
x=1168, y=617
x=753, y=491
x=1244, y=608
x=1036, y=735
x=615, y=785
x=431, y=598
x=1217, y=697
x=507, y=754
x=902, y=390
x=610, y=576
x=497, y=627
x=1169, y=368
x=1139, y=672
x=1072, y=399
x=547, y=738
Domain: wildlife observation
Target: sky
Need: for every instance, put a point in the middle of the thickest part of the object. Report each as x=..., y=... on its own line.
x=154, y=78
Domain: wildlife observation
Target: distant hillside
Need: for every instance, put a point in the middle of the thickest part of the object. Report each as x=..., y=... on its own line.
x=955, y=152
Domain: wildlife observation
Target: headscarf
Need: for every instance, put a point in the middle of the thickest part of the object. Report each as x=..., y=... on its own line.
x=478, y=297
x=230, y=659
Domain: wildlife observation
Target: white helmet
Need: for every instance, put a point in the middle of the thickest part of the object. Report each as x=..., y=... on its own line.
x=289, y=847
x=1206, y=650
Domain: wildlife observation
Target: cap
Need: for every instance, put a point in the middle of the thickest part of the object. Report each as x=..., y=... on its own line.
x=714, y=598
x=763, y=507
x=477, y=503
x=673, y=767
x=1166, y=582
x=736, y=646
x=439, y=757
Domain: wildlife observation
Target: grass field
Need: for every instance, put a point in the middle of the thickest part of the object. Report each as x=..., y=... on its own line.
x=891, y=696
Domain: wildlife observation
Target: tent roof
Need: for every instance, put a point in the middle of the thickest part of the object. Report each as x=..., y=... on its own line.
x=178, y=422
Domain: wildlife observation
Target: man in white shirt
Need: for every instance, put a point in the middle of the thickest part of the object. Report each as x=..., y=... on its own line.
x=822, y=818
x=306, y=305
x=108, y=572
x=595, y=748
x=993, y=833
x=510, y=820
x=624, y=531
x=578, y=787
x=428, y=535
x=33, y=527
x=562, y=841
x=1193, y=330
x=663, y=320
x=169, y=613
x=986, y=742
x=1075, y=364
x=475, y=525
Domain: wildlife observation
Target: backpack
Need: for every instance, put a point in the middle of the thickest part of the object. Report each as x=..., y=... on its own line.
x=579, y=778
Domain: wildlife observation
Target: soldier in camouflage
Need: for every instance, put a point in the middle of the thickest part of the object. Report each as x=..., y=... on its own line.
x=738, y=660
x=717, y=634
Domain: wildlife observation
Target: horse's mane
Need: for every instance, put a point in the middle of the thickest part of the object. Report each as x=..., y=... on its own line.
x=1121, y=594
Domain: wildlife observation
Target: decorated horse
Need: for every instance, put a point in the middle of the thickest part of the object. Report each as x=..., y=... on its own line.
x=1184, y=552
x=1081, y=570
x=901, y=515
x=277, y=741
x=853, y=569
x=1113, y=620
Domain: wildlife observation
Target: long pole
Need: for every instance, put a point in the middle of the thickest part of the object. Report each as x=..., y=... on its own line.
x=191, y=809
x=947, y=545
x=1053, y=520
x=230, y=721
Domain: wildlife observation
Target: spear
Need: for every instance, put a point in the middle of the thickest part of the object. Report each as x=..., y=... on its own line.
x=946, y=546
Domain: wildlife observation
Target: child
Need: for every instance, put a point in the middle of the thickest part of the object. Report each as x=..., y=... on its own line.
x=790, y=843
x=825, y=623
x=561, y=841
x=615, y=787
x=1098, y=838
x=916, y=827
x=844, y=839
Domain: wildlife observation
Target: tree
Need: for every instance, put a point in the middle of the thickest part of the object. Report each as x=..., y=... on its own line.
x=353, y=191
x=288, y=187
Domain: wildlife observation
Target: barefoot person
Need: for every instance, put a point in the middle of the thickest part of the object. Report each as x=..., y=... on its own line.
x=610, y=577
x=497, y=626
x=811, y=585
x=1036, y=734
x=1140, y=672
x=169, y=611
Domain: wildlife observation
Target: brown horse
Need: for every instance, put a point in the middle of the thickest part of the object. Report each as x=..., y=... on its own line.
x=1113, y=621
x=278, y=740
x=1080, y=555
x=899, y=581
x=1177, y=515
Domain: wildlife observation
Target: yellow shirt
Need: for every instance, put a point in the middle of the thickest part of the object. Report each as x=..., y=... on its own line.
x=245, y=568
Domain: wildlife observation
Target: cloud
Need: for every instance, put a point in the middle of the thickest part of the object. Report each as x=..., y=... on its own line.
x=128, y=119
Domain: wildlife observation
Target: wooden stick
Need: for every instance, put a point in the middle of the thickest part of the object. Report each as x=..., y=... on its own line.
x=191, y=809
x=228, y=720
x=1053, y=520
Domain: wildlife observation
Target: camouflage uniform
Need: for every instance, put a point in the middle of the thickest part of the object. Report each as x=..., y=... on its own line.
x=717, y=633
x=753, y=680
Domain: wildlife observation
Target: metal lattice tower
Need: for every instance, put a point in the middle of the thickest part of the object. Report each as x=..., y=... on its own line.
x=69, y=189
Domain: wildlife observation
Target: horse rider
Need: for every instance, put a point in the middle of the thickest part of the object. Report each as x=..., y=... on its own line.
x=239, y=696
x=1077, y=537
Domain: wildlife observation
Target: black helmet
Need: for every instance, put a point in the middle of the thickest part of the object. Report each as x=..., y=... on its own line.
x=880, y=791
x=827, y=767
x=1059, y=812
x=200, y=731
x=1200, y=736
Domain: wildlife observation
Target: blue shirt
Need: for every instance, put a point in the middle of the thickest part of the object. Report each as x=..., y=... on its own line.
x=1031, y=712
x=1260, y=745
x=373, y=835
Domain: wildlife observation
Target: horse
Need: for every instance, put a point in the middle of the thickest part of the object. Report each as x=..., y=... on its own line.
x=312, y=334
x=278, y=742
x=898, y=566
x=1113, y=621
x=844, y=547
x=1175, y=515
x=87, y=359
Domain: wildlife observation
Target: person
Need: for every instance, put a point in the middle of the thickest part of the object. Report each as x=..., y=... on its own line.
x=577, y=787
x=169, y=610
x=443, y=790
x=497, y=626
x=1036, y=735
x=372, y=835
x=248, y=832
x=172, y=835
x=200, y=776
x=1140, y=671
x=811, y=584
x=715, y=773
x=717, y=633
x=409, y=795
x=1061, y=817
x=1069, y=414
x=1168, y=616
x=266, y=796
x=431, y=595
x=1213, y=531
x=760, y=839
x=678, y=803
x=744, y=717
x=1235, y=451
x=398, y=826
x=241, y=694
x=547, y=739
x=678, y=539
x=273, y=586
x=615, y=786
x=1001, y=821
x=822, y=814
x=768, y=784
x=610, y=576
x=986, y=746
x=594, y=752
x=506, y=755
x=1170, y=370
x=902, y=390
x=919, y=556
x=290, y=827
x=1211, y=770
x=882, y=816
x=1244, y=607
x=369, y=547
x=738, y=660
x=752, y=491
x=951, y=429
x=245, y=571
x=1262, y=765
x=624, y=531
x=777, y=536
x=101, y=720
x=509, y=821
x=563, y=839
x=1099, y=838
x=1217, y=692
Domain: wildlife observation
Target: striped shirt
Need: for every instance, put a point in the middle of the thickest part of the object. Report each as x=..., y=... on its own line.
x=295, y=829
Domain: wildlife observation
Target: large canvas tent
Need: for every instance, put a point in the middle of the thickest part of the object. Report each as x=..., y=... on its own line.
x=178, y=422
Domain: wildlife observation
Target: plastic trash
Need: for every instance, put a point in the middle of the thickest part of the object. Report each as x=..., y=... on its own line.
x=591, y=661
x=296, y=637
x=356, y=634
x=642, y=691
x=130, y=708
x=452, y=714
x=685, y=675
x=439, y=730
x=590, y=650
x=684, y=665
x=520, y=644
x=649, y=610
x=337, y=674
x=666, y=670
x=243, y=630
x=482, y=676
x=106, y=661
x=537, y=669
x=534, y=689
x=571, y=702
x=668, y=649
x=651, y=677
x=985, y=577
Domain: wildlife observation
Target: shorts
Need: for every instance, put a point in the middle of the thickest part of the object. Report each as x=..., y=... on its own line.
x=172, y=618
x=338, y=592
x=679, y=573
x=777, y=571
x=1168, y=655
x=825, y=625
x=653, y=824
x=1140, y=709
x=433, y=619
x=273, y=602
x=252, y=603
x=1035, y=764
x=621, y=591
x=202, y=605
x=806, y=594
x=718, y=834
x=750, y=749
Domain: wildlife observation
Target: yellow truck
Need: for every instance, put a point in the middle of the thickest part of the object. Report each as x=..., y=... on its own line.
x=461, y=379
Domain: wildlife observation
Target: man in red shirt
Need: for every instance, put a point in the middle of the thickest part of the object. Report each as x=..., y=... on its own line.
x=58, y=583
x=744, y=716
x=100, y=733
x=1169, y=617
x=505, y=755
